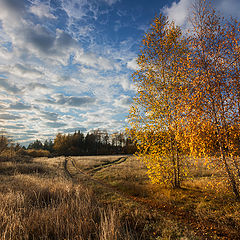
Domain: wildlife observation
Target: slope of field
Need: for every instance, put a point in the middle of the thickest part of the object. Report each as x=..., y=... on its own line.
x=203, y=210
x=109, y=197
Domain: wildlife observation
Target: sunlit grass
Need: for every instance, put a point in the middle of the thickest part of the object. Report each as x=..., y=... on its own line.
x=38, y=202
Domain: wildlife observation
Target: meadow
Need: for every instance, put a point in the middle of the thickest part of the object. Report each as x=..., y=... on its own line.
x=111, y=197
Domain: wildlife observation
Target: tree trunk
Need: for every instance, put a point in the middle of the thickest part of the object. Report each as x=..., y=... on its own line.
x=236, y=166
x=178, y=169
x=230, y=176
x=175, y=162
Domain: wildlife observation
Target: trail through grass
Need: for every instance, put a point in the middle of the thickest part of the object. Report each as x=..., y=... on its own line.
x=185, y=206
x=109, y=197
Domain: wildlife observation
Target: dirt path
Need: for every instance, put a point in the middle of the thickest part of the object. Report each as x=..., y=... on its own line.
x=89, y=174
x=99, y=167
x=202, y=228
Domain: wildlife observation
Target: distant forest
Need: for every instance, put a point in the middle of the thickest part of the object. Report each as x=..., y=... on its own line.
x=96, y=142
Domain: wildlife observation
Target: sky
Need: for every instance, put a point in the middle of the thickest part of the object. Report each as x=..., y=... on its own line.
x=66, y=65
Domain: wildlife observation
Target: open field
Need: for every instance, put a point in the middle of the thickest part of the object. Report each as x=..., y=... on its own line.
x=110, y=197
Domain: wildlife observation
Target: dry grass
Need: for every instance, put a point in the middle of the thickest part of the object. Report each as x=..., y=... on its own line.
x=205, y=199
x=87, y=162
x=38, y=202
x=129, y=177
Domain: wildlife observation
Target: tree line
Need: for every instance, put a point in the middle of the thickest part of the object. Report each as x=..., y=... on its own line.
x=96, y=142
x=188, y=92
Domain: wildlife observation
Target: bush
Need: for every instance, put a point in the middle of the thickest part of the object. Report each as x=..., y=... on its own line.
x=34, y=153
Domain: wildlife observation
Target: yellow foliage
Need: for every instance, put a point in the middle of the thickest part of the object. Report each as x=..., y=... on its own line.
x=187, y=100
x=154, y=116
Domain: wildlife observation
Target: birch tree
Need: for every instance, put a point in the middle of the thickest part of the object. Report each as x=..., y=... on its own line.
x=212, y=97
x=188, y=93
x=154, y=115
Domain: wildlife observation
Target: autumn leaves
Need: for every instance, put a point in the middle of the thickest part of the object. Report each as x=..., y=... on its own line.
x=187, y=102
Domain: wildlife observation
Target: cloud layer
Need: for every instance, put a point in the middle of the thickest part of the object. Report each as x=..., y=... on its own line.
x=67, y=64
x=55, y=73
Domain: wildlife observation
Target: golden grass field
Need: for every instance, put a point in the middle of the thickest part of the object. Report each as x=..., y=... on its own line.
x=105, y=198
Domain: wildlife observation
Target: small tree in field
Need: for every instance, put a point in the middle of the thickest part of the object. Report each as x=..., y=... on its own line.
x=154, y=116
x=4, y=143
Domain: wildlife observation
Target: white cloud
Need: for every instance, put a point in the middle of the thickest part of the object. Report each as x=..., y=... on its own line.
x=94, y=61
x=46, y=76
x=5, y=55
x=34, y=91
x=132, y=64
x=41, y=10
x=178, y=12
x=123, y=101
x=11, y=9
x=124, y=81
x=69, y=101
x=75, y=8
x=9, y=87
x=7, y=116
x=25, y=71
x=45, y=45
x=33, y=40
x=102, y=119
x=111, y=2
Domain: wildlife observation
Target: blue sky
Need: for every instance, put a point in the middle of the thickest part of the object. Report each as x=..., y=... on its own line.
x=66, y=65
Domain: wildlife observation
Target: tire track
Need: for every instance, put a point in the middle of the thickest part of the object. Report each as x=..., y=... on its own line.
x=99, y=167
x=69, y=175
x=202, y=229
x=89, y=177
